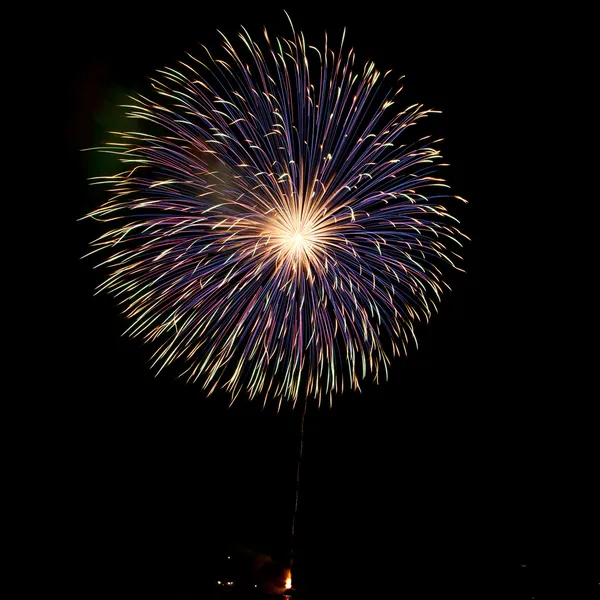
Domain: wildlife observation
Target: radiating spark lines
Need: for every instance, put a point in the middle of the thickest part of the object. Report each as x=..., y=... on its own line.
x=281, y=225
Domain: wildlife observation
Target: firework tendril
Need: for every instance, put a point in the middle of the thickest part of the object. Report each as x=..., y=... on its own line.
x=280, y=232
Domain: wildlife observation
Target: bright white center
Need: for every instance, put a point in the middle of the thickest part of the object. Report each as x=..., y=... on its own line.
x=296, y=242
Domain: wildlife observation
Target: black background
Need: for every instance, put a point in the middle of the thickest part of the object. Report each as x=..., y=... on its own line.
x=470, y=462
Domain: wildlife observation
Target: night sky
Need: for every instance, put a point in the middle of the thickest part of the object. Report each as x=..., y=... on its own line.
x=468, y=474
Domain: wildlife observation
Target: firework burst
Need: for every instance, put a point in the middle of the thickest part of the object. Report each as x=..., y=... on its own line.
x=280, y=229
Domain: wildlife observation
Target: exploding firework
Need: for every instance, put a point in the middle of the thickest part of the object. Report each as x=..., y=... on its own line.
x=279, y=232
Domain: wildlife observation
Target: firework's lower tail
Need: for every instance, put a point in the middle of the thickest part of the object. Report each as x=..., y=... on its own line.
x=297, y=486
